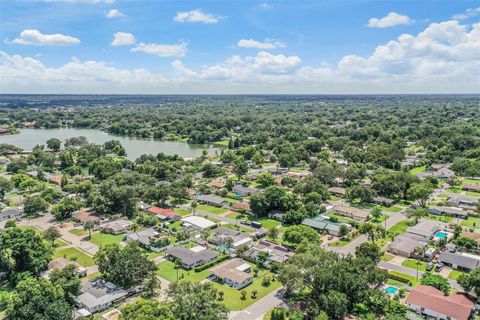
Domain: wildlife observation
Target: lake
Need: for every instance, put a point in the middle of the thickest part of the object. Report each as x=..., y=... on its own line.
x=135, y=147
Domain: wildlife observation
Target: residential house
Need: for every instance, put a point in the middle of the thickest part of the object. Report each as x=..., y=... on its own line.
x=433, y=303
x=300, y=175
x=239, y=238
x=449, y=211
x=322, y=223
x=276, y=253
x=10, y=213
x=98, y=295
x=244, y=191
x=415, y=237
x=425, y=229
x=191, y=257
x=338, y=191
x=197, y=223
x=241, y=206
x=463, y=201
x=145, y=237
x=235, y=273
x=217, y=184
x=164, y=214
x=85, y=215
x=352, y=213
x=474, y=187
x=211, y=200
x=383, y=201
x=60, y=264
x=460, y=260
x=445, y=173
x=117, y=226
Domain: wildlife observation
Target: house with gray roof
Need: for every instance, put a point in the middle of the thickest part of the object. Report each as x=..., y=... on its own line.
x=10, y=213
x=143, y=236
x=415, y=237
x=211, y=200
x=449, y=211
x=460, y=261
x=276, y=253
x=97, y=295
x=191, y=257
x=463, y=201
x=244, y=191
x=424, y=230
x=239, y=238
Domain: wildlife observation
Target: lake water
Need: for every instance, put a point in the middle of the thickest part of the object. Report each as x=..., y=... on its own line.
x=135, y=147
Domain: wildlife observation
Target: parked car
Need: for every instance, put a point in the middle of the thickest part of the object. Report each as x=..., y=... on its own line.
x=439, y=267
x=429, y=267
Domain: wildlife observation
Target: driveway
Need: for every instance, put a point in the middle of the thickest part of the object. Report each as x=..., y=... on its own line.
x=259, y=308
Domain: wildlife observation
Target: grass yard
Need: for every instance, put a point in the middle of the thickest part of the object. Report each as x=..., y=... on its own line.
x=233, y=299
x=78, y=232
x=152, y=254
x=175, y=225
x=400, y=227
x=392, y=209
x=103, y=239
x=414, y=280
x=418, y=169
x=211, y=209
x=339, y=243
x=37, y=230
x=234, y=215
x=166, y=270
x=181, y=212
x=240, y=227
x=268, y=223
x=454, y=274
x=74, y=254
x=343, y=219
x=382, y=218
x=471, y=222
x=442, y=218
x=387, y=257
x=466, y=181
x=412, y=264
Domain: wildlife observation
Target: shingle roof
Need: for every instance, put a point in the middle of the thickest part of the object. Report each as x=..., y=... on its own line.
x=459, y=260
x=456, y=306
x=189, y=257
x=228, y=270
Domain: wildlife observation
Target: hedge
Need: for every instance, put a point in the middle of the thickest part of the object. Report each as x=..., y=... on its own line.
x=211, y=263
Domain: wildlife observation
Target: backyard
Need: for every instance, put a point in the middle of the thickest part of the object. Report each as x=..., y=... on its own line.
x=103, y=239
x=75, y=255
x=412, y=264
x=400, y=227
x=211, y=209
x=471, y=222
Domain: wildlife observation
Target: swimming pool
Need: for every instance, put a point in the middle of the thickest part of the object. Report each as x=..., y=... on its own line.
x=441, y=235
x=390, y=290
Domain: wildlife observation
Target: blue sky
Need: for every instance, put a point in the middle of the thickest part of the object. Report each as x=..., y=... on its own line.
x=65, y=46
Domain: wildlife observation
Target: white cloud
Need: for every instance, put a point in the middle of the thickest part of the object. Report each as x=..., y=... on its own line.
x=197, y=16
x=162, y=50
x=469, y=13
x=35, y=37
x=390, y=20
x=265, y=5
x=443, y=58
x=123, y=39
x=114, y=13
x=266, y=44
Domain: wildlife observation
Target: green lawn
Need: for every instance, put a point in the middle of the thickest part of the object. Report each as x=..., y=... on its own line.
x=234, y=215
x=414, y=280
x=412, y=264
x=465, y=181
x=167, y=271
x=382, y=218
x=103, y=239
x=400, y=227
x=239, y=227
x=211, y=209
x=339, y=243
x=268, y=223
x=392, y=209
x=418, y=169
x=343, y=219
x=454, y=274
x=37, y=230
x=74, y=254
x=471, y=222
x=152, y=254
x=442, y=218
x=181, y=212
x=78, y=232
x=387, y=257
x=233, y=298
x=175, y=225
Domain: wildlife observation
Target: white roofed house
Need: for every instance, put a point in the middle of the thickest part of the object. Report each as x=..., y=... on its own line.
x=235, y=273
x=238, y=238
x=97, y=295
x=197, y=223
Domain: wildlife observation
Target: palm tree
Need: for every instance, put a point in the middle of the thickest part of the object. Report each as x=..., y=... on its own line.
x=194, y=205
x=206, y=234
x=372, y=231
x=88, y=226
x=417, y=214
x=419, y=251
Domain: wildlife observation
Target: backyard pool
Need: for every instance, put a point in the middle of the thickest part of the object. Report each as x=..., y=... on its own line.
x=441, y=235
x=391, y=290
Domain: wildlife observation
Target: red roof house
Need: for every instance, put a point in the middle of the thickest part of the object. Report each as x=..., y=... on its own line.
x=164, y=213
x=432, y=302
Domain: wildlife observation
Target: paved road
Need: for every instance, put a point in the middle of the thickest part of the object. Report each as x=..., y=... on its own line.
x=413, y=272
x=259, y=308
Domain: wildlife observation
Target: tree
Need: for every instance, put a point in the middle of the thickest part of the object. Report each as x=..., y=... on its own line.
x=10, y=224
x=35, y=205
x=88, y=226
x=240, y=168
x=38, y=299
x=273, y=233
x=335, y=304
x=420, y=192
x=197, y=301
x=243, y=294
x=54, y=144
x=5, y=186
x=68, y=279
x=376, y=213
x=359, y=192
x=51, y=234
x=417, y=214
x=343, y=230
x=373, y=231
x=194, y=205
x=151, y=286
x=465, y=242
x=370, y=251
x=25, y=249
x=266, y=179
x=437, y=281
x=297, y=234
x=142, y=309
x=115, y=264
x=470, y=282
x=64, y=209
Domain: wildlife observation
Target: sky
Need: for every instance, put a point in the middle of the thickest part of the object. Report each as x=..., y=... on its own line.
x=239, y=47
